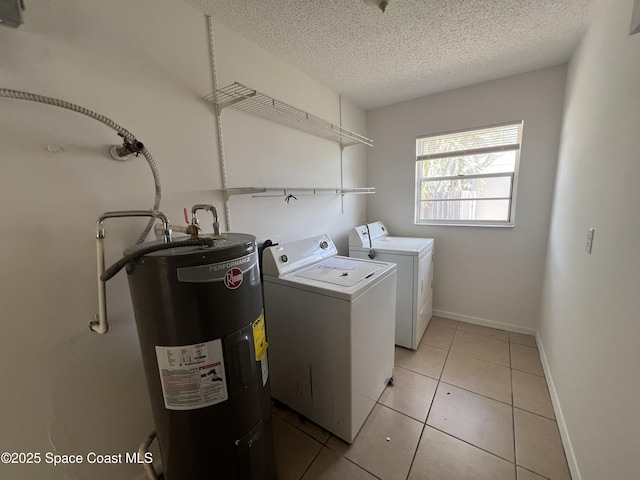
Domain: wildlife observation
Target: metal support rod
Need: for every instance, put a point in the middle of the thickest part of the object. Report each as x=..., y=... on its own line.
x=341, y=151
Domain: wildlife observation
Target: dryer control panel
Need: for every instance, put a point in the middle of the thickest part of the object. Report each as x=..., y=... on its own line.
x=359, y=237
x=362, y=234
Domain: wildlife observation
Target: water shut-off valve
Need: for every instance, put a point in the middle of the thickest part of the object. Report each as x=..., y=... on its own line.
x=209, y=208
x=193, y=228
x=128, y=147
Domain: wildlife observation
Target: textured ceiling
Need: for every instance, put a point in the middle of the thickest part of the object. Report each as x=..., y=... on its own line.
x=415, y=48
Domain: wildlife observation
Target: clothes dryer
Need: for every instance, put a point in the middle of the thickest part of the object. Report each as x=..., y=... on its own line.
x=414, y=257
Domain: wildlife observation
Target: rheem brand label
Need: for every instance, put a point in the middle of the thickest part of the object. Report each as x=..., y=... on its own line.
x=231, y=272
x=233, y=278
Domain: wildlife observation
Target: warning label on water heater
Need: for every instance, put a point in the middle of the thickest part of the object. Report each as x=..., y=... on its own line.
x=192, y=376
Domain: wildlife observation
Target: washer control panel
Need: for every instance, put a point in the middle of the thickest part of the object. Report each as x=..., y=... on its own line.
x=285, y=258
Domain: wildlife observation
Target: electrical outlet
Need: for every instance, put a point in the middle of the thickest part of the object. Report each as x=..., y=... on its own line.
x=589, y=244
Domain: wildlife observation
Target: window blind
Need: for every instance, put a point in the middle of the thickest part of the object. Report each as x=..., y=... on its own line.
x=498, y=138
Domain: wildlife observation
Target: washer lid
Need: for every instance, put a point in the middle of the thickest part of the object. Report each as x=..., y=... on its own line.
x=340, y=271
x=331, y=283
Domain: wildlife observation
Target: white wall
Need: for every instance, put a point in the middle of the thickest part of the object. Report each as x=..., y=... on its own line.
x=145, y=64
x=262, y=154
x=589, y=327
x=491, y=276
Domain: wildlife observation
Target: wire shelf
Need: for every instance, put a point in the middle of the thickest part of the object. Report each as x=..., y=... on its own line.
x=258, y=192
x=252, y=102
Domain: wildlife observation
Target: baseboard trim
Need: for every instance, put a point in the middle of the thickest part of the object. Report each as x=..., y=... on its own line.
x=562, y=426
x=485, y=322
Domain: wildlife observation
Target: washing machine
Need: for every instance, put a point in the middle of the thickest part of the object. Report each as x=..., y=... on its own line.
x=414, y=257
x=330, y=325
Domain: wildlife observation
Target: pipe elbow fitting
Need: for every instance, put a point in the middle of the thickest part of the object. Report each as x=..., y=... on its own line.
x=209, y=208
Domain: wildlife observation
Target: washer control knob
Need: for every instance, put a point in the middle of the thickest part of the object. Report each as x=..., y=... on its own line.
x=284, y=259
x=324, y=245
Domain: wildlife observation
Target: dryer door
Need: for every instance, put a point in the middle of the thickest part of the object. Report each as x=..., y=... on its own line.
x=425, y=296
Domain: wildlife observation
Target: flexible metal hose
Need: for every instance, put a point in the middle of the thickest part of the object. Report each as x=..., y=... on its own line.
x=4, y=92
x=119, y=265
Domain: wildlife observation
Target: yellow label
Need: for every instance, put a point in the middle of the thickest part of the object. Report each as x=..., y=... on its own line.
x=260, y=337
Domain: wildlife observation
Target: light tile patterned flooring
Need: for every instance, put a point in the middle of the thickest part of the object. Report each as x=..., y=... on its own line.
x=471, y=403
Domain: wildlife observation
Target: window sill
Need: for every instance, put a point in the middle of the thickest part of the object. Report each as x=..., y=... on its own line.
x=456, y=224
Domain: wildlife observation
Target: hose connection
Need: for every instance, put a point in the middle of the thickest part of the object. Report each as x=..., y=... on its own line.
x=128, y=147
x=192, y=230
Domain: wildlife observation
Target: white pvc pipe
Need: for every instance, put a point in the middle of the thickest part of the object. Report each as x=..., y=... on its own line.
x=101, y=325
x=144, y=448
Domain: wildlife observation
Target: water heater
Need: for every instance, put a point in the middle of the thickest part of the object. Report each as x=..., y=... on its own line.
x=201, y=329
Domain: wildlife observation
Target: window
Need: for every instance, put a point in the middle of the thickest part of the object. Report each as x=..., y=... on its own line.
x=468, y=177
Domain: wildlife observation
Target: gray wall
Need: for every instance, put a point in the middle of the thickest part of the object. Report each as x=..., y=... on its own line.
x=491, y=276
x=589, y=327
x=146, y=65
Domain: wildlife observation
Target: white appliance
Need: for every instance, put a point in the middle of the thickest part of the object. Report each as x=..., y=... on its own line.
x=330, y=326
x=414, y=257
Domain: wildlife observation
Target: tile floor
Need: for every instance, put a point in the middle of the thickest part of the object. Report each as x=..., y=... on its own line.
x=470, y=403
